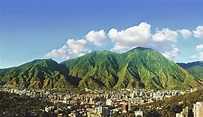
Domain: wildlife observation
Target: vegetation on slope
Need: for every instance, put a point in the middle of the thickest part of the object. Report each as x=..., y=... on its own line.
x=170, y=106
x=195, y=68
x=37, y=74
x=137, y=68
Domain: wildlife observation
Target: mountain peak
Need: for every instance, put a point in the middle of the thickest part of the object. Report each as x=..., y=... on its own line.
x=139, y=48
x=140, y=67
x=142, y=48
x=42, y=60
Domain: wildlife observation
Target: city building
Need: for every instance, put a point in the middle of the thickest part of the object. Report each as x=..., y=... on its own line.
x=129, y=105
x=198, y=109
x=139, y=113
x=108, y=102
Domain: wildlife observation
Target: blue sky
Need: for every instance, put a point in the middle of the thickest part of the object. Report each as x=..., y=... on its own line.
x=64, y=29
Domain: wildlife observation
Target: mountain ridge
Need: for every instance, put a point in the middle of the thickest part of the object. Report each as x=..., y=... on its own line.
x=195, y=68
x=137, y=68
x=39, y=73
x=128, y=69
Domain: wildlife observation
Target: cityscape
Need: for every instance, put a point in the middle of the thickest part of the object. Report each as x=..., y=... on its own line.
x=101, y=58
x=99, y=103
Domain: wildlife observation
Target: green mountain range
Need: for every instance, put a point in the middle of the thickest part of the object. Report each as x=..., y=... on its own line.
x=36, y=74
x=137, y=68
x=195, y=68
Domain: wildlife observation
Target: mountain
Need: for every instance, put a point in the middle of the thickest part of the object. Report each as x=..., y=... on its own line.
x=36, y=74
x=137, y=68
x=195, y=68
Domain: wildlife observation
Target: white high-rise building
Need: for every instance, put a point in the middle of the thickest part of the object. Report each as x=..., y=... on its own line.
x=129, y=105
x=179, y=115
x=198, y=109
x=138, y=113
x=108, y=102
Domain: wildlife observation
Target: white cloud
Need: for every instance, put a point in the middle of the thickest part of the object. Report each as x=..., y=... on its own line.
x=119, y=47
x=122, y=40
x=185, y=33
x=130, y=37
x=198, y=32
x=201, y=56
x=77, y=46
x=172, y=54
x=164, y=35
x=193, y=57
x=98, y=38
x=199, y=47
x=159, y=37
x=73, y=48
x=61, y=53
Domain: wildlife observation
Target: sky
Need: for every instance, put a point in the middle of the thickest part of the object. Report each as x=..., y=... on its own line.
x=65, y=29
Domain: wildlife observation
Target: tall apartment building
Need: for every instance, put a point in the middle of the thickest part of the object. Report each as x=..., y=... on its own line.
x=198, y=109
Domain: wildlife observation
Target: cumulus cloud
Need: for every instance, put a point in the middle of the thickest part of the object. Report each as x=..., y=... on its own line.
x=159, y=37
x=120, y=47
x=198, y=32
x=98, y=38
x=185, y=33
x=72, y=48
x=172, y=54
x=163, y=40
x=164, y=35
x=130, y=37
x=199, y=47
x=61, y=53
x=77, y=46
